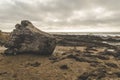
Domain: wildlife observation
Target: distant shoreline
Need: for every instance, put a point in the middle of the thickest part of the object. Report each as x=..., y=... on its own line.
x=82, y=33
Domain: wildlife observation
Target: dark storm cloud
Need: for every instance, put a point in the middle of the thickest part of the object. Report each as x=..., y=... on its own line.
x=61, y=14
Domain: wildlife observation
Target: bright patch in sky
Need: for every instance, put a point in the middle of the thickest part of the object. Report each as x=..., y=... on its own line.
x=99, y=10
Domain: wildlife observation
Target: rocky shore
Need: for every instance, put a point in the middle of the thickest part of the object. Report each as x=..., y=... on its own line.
x=74, y=58
x=66, y=57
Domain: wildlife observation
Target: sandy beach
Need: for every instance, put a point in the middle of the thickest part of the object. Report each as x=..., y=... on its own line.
x=66, y=63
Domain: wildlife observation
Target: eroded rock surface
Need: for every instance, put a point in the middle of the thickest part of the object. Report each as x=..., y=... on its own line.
x=27, y=38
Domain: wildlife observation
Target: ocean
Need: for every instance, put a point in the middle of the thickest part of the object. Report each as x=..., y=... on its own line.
x=88, y=33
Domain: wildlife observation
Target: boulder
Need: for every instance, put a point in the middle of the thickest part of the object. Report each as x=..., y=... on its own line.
x=26, y=38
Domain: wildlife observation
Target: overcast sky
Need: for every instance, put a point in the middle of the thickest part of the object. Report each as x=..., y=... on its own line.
x=62, y=15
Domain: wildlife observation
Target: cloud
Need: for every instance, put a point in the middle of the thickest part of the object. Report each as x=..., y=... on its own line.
x=62, y=15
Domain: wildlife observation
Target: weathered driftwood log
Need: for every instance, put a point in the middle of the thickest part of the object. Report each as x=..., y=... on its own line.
x=28, y=39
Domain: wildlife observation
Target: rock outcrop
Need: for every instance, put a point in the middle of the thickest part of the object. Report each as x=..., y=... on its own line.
x=26, y=38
